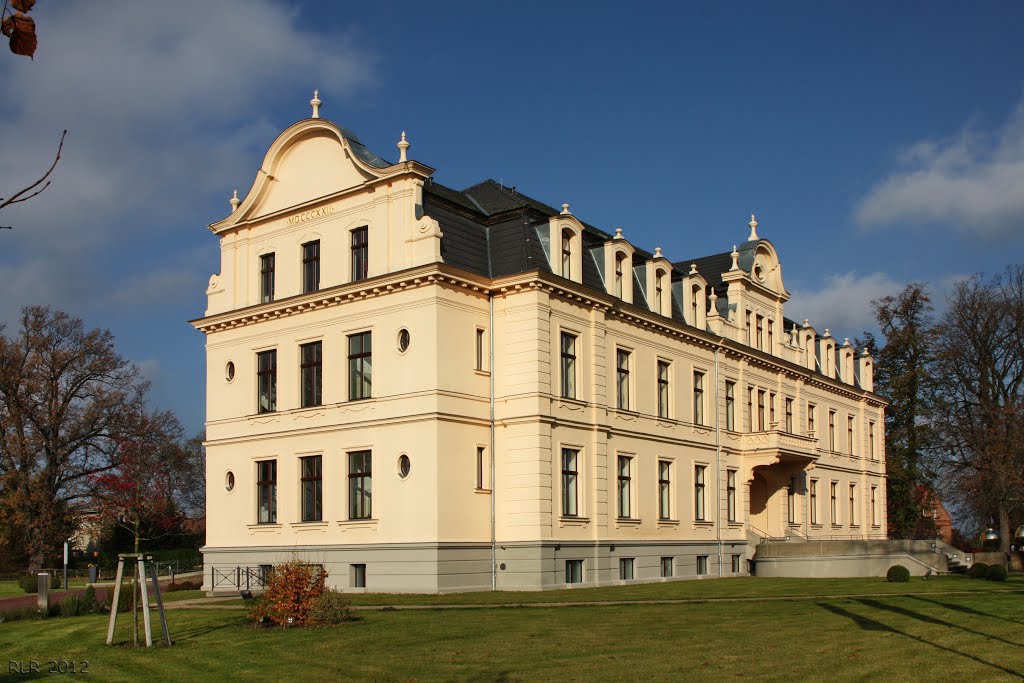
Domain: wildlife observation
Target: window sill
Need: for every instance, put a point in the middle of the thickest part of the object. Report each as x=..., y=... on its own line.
x=573, y=521
x=703, y=523
x=265, y=526
x=668, y=523
x=358, y=523
x=571, y=402
x=627, y=522
x=317, y=525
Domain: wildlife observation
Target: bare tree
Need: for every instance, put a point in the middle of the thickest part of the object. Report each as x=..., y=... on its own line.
x=979, y=411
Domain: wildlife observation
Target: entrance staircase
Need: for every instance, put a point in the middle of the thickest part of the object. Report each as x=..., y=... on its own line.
x=812, y=558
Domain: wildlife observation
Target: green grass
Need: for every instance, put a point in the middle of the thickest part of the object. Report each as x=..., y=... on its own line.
x=970, y=637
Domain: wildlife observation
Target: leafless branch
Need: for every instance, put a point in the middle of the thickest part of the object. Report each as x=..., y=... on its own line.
x=17, y=196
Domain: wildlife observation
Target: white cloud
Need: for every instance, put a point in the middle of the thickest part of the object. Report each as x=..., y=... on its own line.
x=971, y=181
x=165, y=106
x=842, y=303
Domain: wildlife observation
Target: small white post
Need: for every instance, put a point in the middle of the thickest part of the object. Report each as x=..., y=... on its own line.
x=43, y=593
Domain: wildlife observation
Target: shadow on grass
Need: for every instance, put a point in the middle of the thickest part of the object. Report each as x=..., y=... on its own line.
x=198, y=631
x=932, y=620
x=966, y=610
x=870, y=624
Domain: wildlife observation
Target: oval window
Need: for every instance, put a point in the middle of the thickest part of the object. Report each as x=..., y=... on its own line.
x=229, y=371
x=404, y=465
x=229, y=481
x=403, y=340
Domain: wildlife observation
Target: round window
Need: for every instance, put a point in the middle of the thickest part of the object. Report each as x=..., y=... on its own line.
x=229, y=481
x=759, y=272
x=404, y=465
x=229, y=371
x=403, y=340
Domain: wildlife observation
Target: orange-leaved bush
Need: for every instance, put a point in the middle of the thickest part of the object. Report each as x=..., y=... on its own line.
x=292, y=589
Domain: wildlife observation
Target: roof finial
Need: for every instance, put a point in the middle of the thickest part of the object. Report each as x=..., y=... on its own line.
x=735, y=258
x=693, y=269
x=403, y=147
x=235, y=201
x=315, y=102
x=753, y=229
x=565, y=210
x=657, y=252
x=618, y=233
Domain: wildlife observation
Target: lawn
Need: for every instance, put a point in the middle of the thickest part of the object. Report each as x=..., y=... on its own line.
x=933, y=635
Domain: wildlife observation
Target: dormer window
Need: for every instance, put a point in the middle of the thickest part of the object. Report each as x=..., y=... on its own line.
x=659, y=278
x=567, y=253
x=619, y=259
x=266, y=278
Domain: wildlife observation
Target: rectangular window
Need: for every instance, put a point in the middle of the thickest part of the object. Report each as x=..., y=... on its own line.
x=814, y=501
x=622, y=378
x=698, y=397
x=833, y=501
x=752, y=427
x=771, y=411
x=736, y=564
x=358, y=575
x=266, y=381
x=698, y=492
x=750, y=331
x=664, y=489
x=702, y=565
x=266, y=278
x=832, y=430
x=730, y=494
x=760, y=337
x=311, y=373
x=789, y=416
x=619, y=259
x=266, y=491
x=626, y=568
x=568, y=365
x=663, y=388
x=482, y=468
x=810, y=419
x=624, y=485
x=730, y=406
x=360, y=259
x=566, y=253
x=760, y=410
x=312, y=488
x=771, y=346
x=871, y=439
x=666, y=567
x=360, y=485
x=479, y=349
x=574, y=571
x=791, y=501
x=311, y=266
x=359, y=366
x=874, y=506
x=853, y=505
x=849, y=434
x=570, y=479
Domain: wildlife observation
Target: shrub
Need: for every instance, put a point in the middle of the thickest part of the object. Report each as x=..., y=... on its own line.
x=20, y=614
x=90, y=605
x=182, y=586
x=71, y=606
x=897, y=574
x=996, y=572
x=978, y=570
x=292, y=588
x=330, y=608
x=30, y=582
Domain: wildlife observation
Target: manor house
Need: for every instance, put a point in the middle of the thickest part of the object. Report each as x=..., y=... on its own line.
x=430, y=389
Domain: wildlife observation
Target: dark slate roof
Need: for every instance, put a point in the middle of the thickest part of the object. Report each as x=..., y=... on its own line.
x=709, y=267
x=361, y=150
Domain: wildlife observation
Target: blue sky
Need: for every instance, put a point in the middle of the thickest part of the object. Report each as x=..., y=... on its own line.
x=878, y=143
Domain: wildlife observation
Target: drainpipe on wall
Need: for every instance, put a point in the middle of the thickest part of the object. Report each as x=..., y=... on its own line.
x=490, y=366
x=718, y=467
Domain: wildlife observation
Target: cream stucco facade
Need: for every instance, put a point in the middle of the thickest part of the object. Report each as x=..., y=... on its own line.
x=415, y=409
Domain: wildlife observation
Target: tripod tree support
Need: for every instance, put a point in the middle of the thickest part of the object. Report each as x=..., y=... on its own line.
x=140, y=569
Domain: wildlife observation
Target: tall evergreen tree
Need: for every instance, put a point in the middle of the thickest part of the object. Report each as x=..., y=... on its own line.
x=902, y=375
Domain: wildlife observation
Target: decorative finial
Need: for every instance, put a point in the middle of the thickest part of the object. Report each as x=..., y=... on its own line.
x=315, y=102
x=693, y=269
x=657, y=252
x=618, y=233
x=565, y=210
x=735, y=258
x=753, y=229
x=403, y=147
x=807, y=322
x=846, y=341
x=235, y=201
x=713, y=303
x=827, y=334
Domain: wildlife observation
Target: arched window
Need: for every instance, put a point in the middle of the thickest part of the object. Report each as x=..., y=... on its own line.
x=694, y=303
x=659, y=277
x=566, y=253
x=619, y=259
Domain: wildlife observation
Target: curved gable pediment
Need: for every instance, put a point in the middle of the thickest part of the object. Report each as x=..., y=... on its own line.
x=761, y=261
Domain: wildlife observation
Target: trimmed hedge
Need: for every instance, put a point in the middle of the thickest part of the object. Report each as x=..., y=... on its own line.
x=996, y=572
x=30, y=582
x=897, y=574
x=978, y=570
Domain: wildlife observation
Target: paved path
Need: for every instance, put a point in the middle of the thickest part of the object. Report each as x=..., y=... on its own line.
x=218, y=602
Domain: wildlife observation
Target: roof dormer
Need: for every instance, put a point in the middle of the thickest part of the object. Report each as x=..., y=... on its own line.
x=694, y=298
x=659, y=284
x=618, y=267
x=566, y=253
